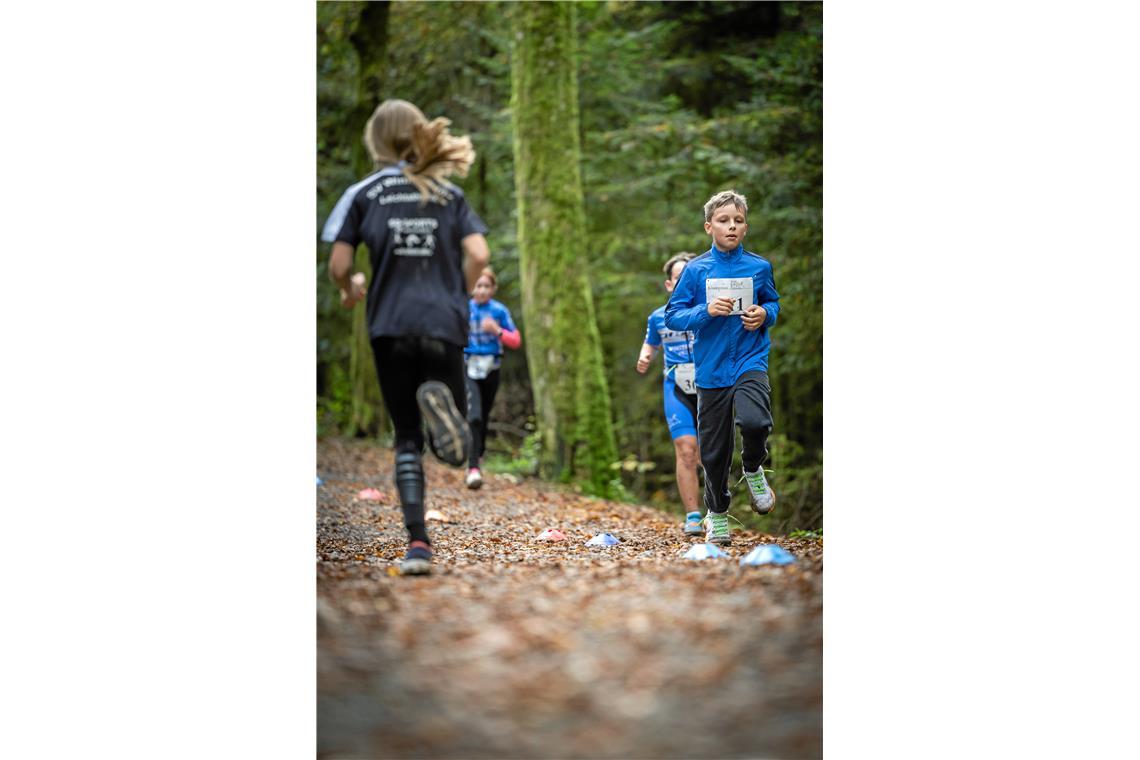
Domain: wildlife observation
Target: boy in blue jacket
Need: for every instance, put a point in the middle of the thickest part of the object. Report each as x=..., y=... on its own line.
x=728, y=299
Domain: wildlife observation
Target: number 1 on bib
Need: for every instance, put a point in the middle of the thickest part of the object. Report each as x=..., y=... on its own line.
x=739, y=289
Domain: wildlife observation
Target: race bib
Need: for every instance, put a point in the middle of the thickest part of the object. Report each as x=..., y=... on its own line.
x=685, y=376
x=739, y=289
x=480, y=365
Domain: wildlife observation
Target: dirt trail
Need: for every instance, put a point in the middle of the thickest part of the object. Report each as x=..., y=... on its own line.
x=515, y=648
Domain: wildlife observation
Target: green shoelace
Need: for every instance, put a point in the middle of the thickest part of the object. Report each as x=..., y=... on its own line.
x=756, y=480
x=719, y=524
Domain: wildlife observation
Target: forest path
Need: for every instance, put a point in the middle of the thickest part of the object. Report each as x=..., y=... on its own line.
x=515, y=648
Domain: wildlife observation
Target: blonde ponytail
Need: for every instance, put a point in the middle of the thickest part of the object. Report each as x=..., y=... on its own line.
x=398, y=131
x=437, y=156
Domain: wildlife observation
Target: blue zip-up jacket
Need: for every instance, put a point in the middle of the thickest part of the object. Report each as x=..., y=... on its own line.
x=724, y=350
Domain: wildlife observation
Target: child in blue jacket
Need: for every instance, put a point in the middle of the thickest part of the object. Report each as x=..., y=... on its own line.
x=727, y=298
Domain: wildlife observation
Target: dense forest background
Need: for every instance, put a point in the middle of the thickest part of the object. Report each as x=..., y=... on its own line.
x=676, y=101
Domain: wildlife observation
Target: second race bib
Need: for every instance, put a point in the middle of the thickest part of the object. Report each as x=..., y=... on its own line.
x=480, y=365
x=685, y=376
x=739, y=289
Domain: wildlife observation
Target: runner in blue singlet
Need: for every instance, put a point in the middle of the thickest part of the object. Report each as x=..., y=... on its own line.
x=679, y=392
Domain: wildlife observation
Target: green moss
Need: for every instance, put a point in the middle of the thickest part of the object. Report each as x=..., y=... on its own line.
x=368, y=416
x=572, y=401
x=369, y=40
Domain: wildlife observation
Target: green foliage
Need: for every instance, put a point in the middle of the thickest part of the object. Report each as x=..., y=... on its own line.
x=471, y=89
x=334, y=405
x=675, y=102
x=337, y=96
x=617, y=491
x=524, y=460
x=655, y=148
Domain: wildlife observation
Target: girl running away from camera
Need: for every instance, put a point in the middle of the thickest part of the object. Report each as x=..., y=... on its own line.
x=427, y=249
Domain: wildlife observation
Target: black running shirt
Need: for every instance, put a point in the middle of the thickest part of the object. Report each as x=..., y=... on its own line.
x=418, y=287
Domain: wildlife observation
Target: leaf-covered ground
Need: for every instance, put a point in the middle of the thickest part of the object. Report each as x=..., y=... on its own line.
x=516, y=648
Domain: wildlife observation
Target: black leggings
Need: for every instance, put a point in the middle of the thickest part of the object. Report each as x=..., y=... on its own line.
x=746, y=404
x=403, y=364
x=480, y=399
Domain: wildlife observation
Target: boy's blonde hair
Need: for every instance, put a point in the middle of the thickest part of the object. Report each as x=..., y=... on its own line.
x=398, y=131
x=721, y=198
x=488, y=272
x=682, y=256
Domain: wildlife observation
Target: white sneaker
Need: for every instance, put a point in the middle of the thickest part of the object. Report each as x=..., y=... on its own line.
x=763, y=497
x=474, y=478
x=717, y=529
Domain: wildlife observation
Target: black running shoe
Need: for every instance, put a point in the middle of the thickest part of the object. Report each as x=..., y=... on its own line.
x=448, y=434
x=418, y=559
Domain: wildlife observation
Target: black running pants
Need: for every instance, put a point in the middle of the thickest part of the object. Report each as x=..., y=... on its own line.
x=745, y=404
x=480, y=399
x=403, y=364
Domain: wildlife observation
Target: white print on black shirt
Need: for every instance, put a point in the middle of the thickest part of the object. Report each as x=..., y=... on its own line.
x=413, y=237
x=398, y=198
x=385, y=184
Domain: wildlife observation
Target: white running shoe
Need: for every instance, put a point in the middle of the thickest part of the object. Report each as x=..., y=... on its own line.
x=474, y=478
x=763, y=497
x=716, y=528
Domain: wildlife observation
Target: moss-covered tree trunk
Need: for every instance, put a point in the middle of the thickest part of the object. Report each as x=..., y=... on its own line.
x=369, y=40
x=572, y=401
x=368, y=415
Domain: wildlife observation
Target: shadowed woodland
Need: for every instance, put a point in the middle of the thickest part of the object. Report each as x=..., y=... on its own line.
x=674, y=101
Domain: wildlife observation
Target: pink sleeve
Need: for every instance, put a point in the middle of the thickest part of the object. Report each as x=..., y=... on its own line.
x=511, y=339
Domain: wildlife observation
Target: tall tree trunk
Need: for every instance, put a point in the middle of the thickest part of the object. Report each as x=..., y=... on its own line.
x=563, y=348
x=369, y=40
